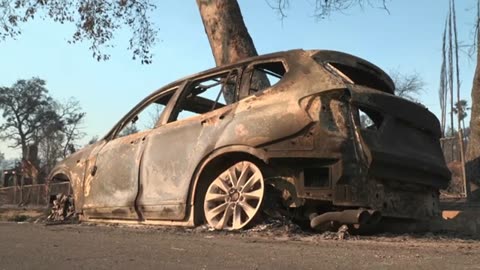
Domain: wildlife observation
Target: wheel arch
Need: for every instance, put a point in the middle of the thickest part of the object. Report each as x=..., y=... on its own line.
x=59, y=173
x=220, y=158
x=56, y=183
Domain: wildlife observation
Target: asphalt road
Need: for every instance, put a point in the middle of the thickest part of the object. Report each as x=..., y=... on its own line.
x=36, y=246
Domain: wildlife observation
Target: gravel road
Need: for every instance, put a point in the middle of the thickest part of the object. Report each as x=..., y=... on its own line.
x=36, y=246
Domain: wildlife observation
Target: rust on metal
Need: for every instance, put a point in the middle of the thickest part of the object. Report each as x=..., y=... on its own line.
x=328, y=134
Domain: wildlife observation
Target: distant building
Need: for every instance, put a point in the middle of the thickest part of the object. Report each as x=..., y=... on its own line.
x=9, y=178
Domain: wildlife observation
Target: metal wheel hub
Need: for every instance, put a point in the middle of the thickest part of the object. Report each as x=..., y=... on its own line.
x=234, y=197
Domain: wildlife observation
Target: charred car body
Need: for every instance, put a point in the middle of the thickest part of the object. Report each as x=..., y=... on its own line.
x=326, y=135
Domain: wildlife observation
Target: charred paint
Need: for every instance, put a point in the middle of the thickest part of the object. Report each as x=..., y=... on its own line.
x=306, y=128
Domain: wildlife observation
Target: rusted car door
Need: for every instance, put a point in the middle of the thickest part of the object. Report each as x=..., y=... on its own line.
x=112, y=187
x=172, y=153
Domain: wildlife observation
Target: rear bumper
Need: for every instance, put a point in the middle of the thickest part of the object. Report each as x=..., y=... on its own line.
x=409, y=170
x=400, y=167
x=396, y=168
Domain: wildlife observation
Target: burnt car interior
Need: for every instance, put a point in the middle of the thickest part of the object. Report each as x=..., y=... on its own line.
x=265, y=75
x=146, y=117
x=205, y=95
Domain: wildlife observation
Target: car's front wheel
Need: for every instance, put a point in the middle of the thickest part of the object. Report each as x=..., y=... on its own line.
x=234, y=198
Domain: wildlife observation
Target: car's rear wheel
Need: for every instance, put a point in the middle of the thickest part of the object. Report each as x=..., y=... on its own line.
x=234, y=198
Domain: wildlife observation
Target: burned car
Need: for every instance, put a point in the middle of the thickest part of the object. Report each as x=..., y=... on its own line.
x=317, y=133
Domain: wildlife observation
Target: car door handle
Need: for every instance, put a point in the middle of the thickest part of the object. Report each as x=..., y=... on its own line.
x=214, y=119
x=211, y=120
x=135, y=141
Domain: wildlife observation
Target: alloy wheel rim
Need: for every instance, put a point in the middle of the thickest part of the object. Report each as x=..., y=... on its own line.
x=234, y=197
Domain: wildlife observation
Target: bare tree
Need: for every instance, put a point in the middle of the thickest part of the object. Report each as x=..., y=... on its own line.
x=154, y=115
x=443, y=89
x=93, y=140
x=131, y=128
x=324, y=8
x=408, y=86
x=461, y=108
x=59, y=140
x=71, y=115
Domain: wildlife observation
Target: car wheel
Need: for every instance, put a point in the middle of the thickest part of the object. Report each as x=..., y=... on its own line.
x=234, y=198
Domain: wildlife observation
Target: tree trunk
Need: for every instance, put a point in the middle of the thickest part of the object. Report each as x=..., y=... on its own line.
x=226, y=31
x=473, y=148
x=228, y=36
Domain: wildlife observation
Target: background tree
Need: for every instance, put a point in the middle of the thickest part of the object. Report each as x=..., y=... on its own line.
x=26, y=108
x=2, y=159
x=131, y=128
x=473, y=148
x=98, y=20
x=408, y=86
x=93, y=140
x=59, y=139
x=443, y=88
x=6, y=163
x=32, y=117
x=71, y=116
x=461, y=108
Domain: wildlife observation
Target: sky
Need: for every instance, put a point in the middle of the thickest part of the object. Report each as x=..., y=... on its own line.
x=406, y=39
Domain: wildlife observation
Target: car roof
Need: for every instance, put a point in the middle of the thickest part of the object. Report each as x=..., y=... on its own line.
x=326, y=54
x=241, y=62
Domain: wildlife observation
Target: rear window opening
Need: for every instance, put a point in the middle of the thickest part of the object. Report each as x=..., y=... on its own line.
x=265, y=75
x=361, y=75
x=369, y=119
x=355, y=70
x=208, y=94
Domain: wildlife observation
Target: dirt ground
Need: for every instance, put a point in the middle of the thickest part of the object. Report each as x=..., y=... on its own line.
x=86, y=246
x=21, y=214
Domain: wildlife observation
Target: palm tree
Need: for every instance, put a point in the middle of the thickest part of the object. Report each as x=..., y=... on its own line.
x=461, y=108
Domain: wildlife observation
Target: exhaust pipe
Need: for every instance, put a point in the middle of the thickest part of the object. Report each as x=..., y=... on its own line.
x=375, y=217
x=357, y=216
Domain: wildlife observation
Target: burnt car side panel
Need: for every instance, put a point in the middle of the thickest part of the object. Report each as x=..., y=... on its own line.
x=113, y=186
x=307, y=129
x=75, y=168
x=171, y=155
x=174, y=150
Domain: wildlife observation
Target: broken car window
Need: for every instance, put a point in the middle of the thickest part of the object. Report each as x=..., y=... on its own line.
x=208, y=94
x=369, y=119
x=146, y=118
x=265, y=75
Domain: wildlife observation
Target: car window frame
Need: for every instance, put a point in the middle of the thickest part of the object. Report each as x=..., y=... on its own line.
x=174, y=112
x=125, y=120
x=248, y=73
